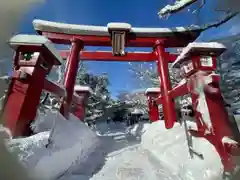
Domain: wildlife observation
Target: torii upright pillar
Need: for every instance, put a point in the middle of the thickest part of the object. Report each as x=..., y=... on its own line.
x=168, y=102
x=70, y=75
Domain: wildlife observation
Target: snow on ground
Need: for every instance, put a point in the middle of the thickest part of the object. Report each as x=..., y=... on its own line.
x=113, y=152
x=29, y=149
x=170, y=148
x=72, y=148
x=159, y=154
x=126, y=158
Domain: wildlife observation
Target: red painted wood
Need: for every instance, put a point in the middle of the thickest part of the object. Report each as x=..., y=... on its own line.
x=171, y=41
x=107, y=56
x=70, y=75
x=168, y=103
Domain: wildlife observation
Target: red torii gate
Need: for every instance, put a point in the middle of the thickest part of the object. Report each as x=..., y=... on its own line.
x=117, y=35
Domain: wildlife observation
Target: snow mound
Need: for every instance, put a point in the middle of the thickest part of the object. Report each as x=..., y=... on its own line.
x=70, y=147
x=30, y=149
x=170, y=148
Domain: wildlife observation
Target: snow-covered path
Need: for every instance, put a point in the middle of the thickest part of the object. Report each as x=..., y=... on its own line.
x=129, y=161
x=132, y=163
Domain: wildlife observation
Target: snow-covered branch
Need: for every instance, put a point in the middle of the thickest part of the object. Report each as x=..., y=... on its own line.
x=228, y=9
x=176, y=7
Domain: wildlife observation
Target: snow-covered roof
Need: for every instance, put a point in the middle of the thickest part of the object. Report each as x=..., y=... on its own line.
x=153, y=90
x=119, y=26
x=36, y=40
x=41, y=25
x=79, y=88
x=210, y=47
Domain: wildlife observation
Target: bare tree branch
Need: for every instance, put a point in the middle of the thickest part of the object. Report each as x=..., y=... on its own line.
x=200, y=7
x=219, y=23
x=181, y=4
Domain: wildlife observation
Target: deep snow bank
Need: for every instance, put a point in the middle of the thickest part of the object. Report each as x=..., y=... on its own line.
x=69, y=147
x=170, y=148
x=30, y=149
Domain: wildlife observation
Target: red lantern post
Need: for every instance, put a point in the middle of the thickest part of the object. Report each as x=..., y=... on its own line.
x=198, y=63
x=34, y=58
x=83, y=92
x=153, y=111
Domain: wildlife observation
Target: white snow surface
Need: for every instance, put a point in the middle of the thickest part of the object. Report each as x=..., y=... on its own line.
x=119, y=25
x=79, y=88
x=153, y=90
x=73, y=148
x=144, y=151
x=42, y=25
x=29, y=149
x=170, y=148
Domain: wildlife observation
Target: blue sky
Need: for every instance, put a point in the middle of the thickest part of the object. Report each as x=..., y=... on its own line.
x=140, y=13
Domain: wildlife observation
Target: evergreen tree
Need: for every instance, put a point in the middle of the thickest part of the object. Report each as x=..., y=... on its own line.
x=98, y=101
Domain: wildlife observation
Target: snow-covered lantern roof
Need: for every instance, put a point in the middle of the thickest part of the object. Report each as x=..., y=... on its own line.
x=152, y=92
x=83, y=91
x=35, y=46
x=198, y=56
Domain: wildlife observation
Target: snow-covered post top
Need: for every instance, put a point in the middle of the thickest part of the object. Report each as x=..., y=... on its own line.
x=152, y=91
x=84, y=92
x=114, y=26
